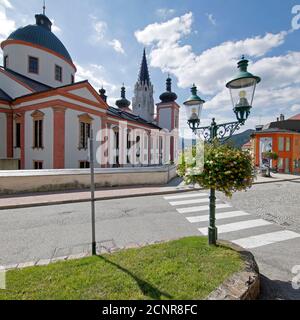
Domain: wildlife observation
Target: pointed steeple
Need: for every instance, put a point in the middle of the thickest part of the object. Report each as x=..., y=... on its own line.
x=144, y=77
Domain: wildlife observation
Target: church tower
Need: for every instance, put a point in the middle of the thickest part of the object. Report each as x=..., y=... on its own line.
x=143, y=101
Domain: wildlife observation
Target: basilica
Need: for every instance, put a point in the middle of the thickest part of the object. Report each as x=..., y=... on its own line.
x=46, y=117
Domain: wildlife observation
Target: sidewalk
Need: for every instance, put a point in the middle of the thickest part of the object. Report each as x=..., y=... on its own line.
x=55, y=198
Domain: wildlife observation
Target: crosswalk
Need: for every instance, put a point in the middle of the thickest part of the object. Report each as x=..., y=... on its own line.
x=238, y=226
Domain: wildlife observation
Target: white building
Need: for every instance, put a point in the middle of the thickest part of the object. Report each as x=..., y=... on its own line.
x=46, y=117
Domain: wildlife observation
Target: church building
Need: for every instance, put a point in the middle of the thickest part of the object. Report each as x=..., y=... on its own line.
x=46, y=117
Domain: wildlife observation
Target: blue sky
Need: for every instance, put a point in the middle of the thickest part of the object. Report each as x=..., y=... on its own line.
x=195, y=41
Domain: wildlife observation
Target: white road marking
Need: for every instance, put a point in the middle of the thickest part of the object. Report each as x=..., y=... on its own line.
x=223, y=215
x=202, y=208
x=266, y=239
x=237, y=226
x=186, y=196
x=194, y=201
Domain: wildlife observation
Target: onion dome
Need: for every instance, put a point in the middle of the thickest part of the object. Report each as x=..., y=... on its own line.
x=40, y=34
x=168, y=96
x=123, y=102
x=103, y=95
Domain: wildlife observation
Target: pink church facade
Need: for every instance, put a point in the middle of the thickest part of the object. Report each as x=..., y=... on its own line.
x=46, y=118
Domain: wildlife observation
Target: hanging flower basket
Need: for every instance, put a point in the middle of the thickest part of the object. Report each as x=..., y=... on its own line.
x=225, y=169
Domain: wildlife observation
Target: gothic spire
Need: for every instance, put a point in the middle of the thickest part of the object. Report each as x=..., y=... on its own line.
x=144, y=77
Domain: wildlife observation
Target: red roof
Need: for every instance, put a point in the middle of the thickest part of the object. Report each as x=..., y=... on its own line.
x=296, y=117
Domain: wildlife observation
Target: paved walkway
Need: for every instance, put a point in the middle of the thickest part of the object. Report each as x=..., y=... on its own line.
x=175, y=186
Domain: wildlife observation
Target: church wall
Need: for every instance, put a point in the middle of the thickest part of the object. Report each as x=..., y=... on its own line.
x=18, y=61
x=2, y=135
x=73, y=155
x=45, y=154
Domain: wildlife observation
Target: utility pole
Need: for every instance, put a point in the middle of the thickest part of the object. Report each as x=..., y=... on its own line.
x=92, y=167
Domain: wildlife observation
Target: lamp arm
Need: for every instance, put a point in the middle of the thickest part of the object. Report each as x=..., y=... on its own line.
x=221, y=132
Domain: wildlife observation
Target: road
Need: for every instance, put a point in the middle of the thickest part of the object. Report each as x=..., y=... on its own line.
x=265, y=220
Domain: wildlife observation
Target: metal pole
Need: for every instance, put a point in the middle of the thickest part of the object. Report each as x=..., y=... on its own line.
x=212, y=230
x=92, y=167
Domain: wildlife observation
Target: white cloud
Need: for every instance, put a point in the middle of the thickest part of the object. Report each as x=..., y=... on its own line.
x=210, y=70
x=211, y=18
x=99, y=30
x=6, y=4
x=55, y=28
x=99, y=35
x=295, y=107
x=218, y=62
x=167, y=32
x=96, y=75
x=165, y=13
x=117, y=45
x=6, y=25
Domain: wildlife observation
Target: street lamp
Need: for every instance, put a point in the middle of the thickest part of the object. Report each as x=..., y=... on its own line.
x=242, y=90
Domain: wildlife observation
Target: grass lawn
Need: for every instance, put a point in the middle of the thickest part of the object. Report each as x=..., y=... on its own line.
x=182, y=269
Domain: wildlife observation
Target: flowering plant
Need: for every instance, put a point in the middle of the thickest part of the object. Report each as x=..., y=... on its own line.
x=224, y=168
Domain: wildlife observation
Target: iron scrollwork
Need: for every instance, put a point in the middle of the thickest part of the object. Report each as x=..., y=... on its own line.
x=221, y=132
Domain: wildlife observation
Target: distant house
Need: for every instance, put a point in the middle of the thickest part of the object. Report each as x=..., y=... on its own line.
x=283, y=138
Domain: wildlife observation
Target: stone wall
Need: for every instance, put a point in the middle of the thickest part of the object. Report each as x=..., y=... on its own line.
x=9, y=164
x=13, y=182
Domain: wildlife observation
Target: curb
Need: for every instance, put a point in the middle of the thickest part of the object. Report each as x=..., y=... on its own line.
x=243, y=285
x=53, y=203
x=281, y=180
x=100, y=250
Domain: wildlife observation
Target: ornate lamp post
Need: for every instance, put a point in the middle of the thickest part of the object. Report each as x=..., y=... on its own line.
x=242, y=90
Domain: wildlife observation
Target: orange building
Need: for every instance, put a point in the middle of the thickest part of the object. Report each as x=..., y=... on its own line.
x=283, y=138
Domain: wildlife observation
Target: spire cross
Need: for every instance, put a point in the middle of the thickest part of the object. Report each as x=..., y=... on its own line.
x=44, y=7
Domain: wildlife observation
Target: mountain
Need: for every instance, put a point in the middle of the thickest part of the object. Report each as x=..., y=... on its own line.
x=237, y=140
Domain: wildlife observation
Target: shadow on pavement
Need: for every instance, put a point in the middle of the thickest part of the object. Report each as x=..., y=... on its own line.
x=277, y=290
x=147, y=289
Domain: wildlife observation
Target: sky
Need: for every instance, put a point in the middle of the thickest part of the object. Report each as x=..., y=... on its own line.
x=195, y=41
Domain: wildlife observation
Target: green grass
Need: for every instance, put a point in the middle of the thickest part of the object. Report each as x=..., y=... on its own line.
x=182, y=269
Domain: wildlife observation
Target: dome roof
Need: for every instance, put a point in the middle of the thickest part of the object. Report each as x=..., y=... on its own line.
x=41, y=34
x=168, y=96
x=123, y=102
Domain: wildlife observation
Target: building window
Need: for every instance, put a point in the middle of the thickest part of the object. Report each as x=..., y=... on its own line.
x=128, y=147
x=33, y=65
x=280, y=144
x=38, y=165
x=72, y=78
x=85, y=133
x=280, y=163
x=58, y=73
x=38, y=134
x=288, y=144
x=38, y=127
x=18, y=135
x=85, y=125
x=84, y=165
x=6, y=62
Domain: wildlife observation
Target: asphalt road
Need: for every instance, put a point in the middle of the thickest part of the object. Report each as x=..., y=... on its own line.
x=271, y=209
